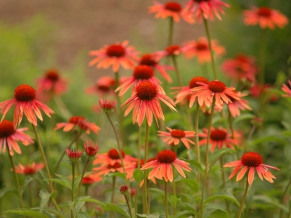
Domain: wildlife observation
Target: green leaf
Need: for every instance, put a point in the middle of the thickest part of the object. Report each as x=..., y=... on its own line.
x=113, y=207
x=27, y=212
x=223, y=197
x=195, y=164
x=184, y=212
x=5, y=191
x=268, y=139
x=138, y=175
x=78, y=206
x=217, y=154
x=82, y=215
x=157, y=191
x=174, y=199
x=219, y=213
x=88, y=199
x=268, y=200
x=61, y=182
x=243, y=117
x=191, y=183
x=152, y=215
x=44, y=198
x=117, y=174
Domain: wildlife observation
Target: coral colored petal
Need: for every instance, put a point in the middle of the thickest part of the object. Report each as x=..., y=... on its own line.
x=241, y=174
x=251, y=175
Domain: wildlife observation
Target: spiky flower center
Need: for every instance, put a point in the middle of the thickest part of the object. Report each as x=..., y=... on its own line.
x=148, y=60
x=124, y=189
x=146, y=91
x=199, y=1
x=173, y=6
x=76, y=119
x=171, y=49
x=177, y=133
x=143, y=72
x=52, y=75
x=74, y=154
x=113, y=154
x=201, y=46
x=114, y=166
x=115, y=51
x=241, y=58
x=218, y=135
x=24, y=93
x=264, y=12
x=252, y=159
x=166, y=156
x=29, y=170
x=103, y=88
x=87, y=180
x=216, y=86
x=6, y=129
x=91, y=151
x=193, y=82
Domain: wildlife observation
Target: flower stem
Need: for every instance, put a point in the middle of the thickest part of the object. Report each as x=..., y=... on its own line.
x=83, y=173
x=127, y=203
x=174, y=184
x=243, y=199
x=113, y=194
x=63, y=108
x=30, y=194
x=171, y=28
x=284, y=196
x=177, y=70
x=262, y=56
x=73, y=190
x=223, y=181
x=206, y=157
x=210, y=46
x=138, y=165
x=145, y=202
x=166, y=200
x=15, y=177
x=232, y=132
x=196, y=131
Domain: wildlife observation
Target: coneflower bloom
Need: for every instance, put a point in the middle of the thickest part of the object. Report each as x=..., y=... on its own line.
x=78, y=121
x=107, y=105
x=74, y=155
x=217, y=89
x=91, y=149
x=169, y=9
x=26, y=104
x=90, y=179
x=172, y=50
x=145, y=103
x=103, y=86
x=175, y=136
x=104, y=170
x=238, y=104
x=29, y=169
x=242, y=67
x=9, y=137
x=203, y=9
x=162, y=166
x=200, y=49
x=219, y=137
x=140, y=73
x=251, y=161
x=286, y=89
x=51, y=84
x=186, y=91
x=152, y=61
x=116, y=55
x=257, y=90
x=265, y=17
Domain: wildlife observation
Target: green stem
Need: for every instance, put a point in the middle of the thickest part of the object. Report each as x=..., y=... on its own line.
x=63, y=108
x=223, y=181
x=174, y=184
x=177, y=70
x=138, y=165
x=166, y=200
x=128, y=205
x=232, y=132
x=196, y=132
x=210, y=46
x=73, y=190
x=262, y=56
x=243, y=199
x=113, y=194
x=30, y=194
x=284, y=196
x=171, y=30
x=145, y=172
x=206, y=157
x=83, y=173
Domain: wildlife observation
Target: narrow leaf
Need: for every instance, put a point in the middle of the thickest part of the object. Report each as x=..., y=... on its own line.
x=138, y=175
x=223, y=197
x=44, y=198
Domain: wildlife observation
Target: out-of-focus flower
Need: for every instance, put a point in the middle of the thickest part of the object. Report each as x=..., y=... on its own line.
x=252, y=162
x=124, y=190
x=78, y=121
x=236, y=105
x=107, y=105
x=9, y=137
x=162, y=166
x=91, y=149
x=74, y=155
x=26, y=104
x=116, y=55
x=200, y=49
x=90, y=179
x=172, y=50
x=286, y=89
x=103, y=86
x=174, y=136
x=145, y=103
x=203, y=9
x=240, y=68
x=218, y=137
x=256, y=90
x=28, y=169
x=152, y=61
x=265, y=17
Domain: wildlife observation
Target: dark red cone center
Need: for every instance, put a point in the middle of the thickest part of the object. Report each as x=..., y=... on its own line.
x=218, y=135
x=113, y=154
x=148, y=60
x=201, y=47
x=173, y=6
x=146, y=91
x=76, y=119
x=264, y=12
x=171, y=49
x=6, y=129
x=29, y=171
x=252, y=159
x=143, y=72
x=193, y=82
x=24, y=93
x=166, y=156
x=216, y=86
x=52, y=75
x=115, y=51
x=177, y=133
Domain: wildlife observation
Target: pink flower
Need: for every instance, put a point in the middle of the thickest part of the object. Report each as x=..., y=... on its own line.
x=169, y=51
x=107, y=105
x=91, y=148
x=26, y=103
x=175, y=136
x=162, y=166
x=29, y=169
x=103, y=86
x=90, y=179
x=265, y=17
x=200, y=49
x=251, y=161
x=74, y=155
x=116, y=55
x=286, y=89
x=238, y=104
x=145, y=103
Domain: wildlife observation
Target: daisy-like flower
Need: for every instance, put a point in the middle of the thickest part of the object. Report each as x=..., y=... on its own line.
x=286, y=89
x=218, y=137
x=265, y=17
x=90, y=179
x=116, y=55
x=236, y=105
x=172, y=50
x=78, y=121
x=186, y=91
x=91, y=149
x=203, y=9
x=251, y=161
x=51, y=84
x=107, y=105
x=29, y=169
x=145, y=103
x=26, y=103
x=242, y=67
x=217, y=89
x=169, y=9
x=9, y=137
x=104, y=170
x=103, y=86
x=140, y=73
x=162, y=166
x=174, y=136
x=200, y=49
x=152, y=61
x=74, y=155
x=257, y=90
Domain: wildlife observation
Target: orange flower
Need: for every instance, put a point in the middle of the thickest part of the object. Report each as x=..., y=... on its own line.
x=286, y=89
x=103, y=86
x=251, y=161
x=116, y=55
x=238, y=104
x=29, y=169
x=265, y=17
x=24, y=99
x=200, y=49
